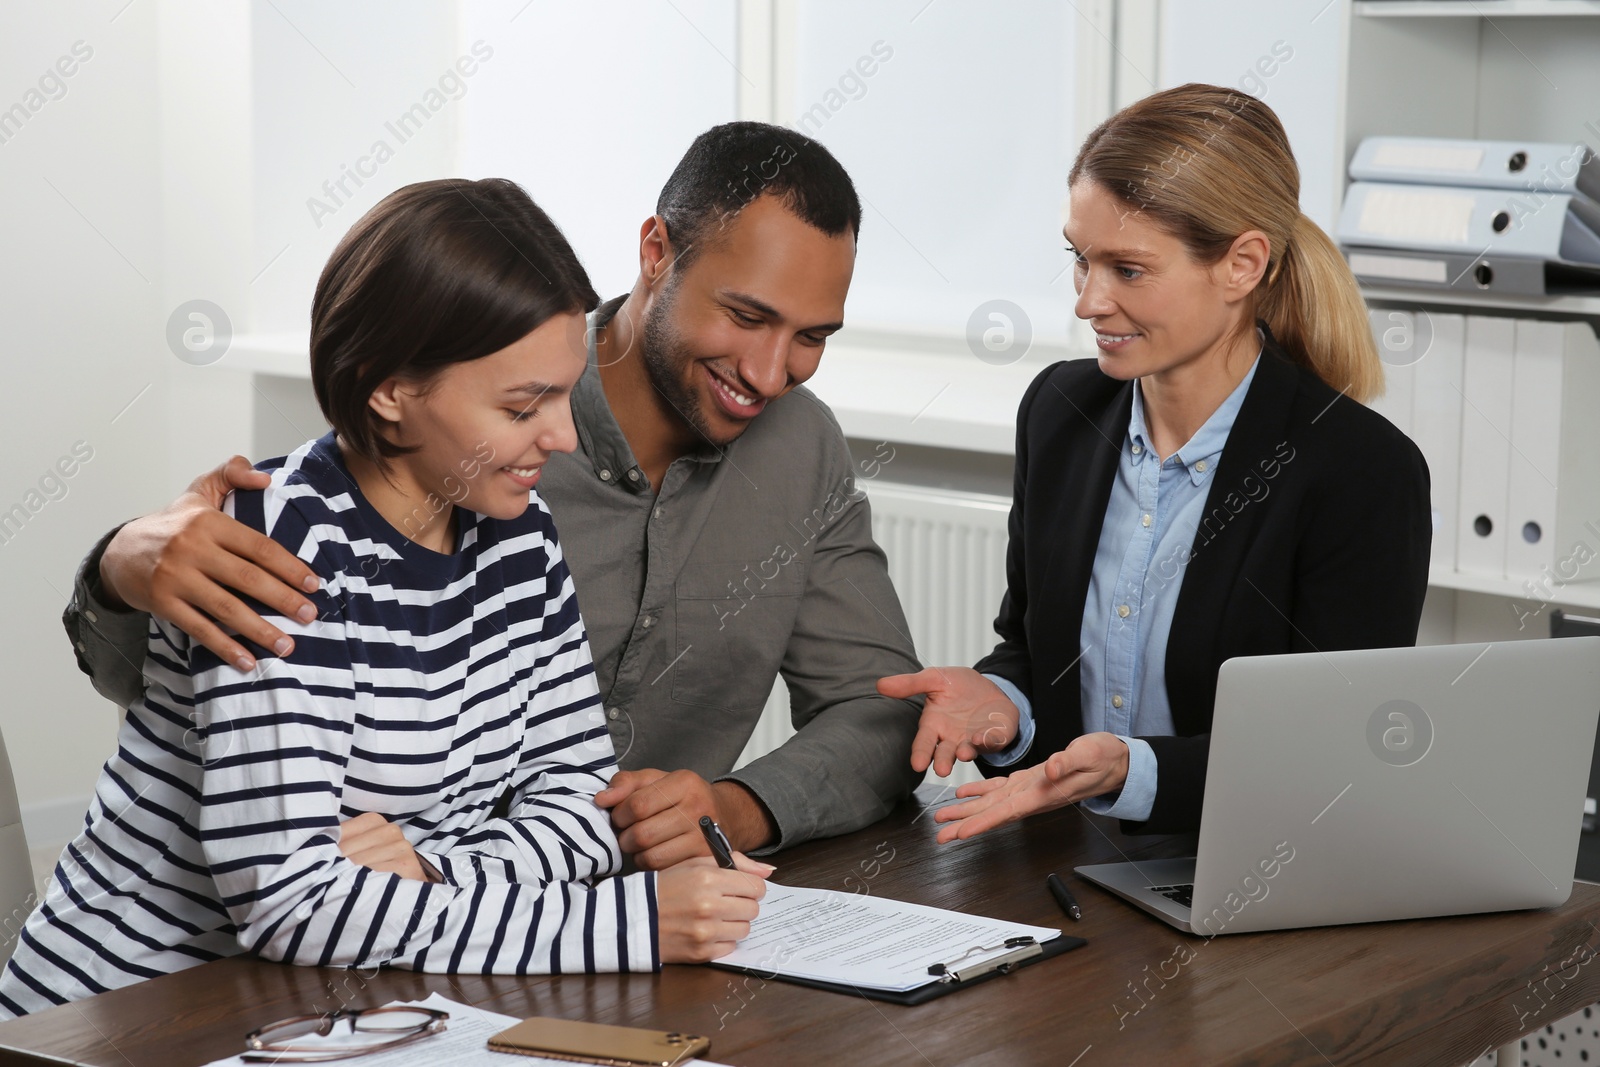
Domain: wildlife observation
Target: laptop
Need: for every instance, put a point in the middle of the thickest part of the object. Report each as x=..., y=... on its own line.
x=1395, y=783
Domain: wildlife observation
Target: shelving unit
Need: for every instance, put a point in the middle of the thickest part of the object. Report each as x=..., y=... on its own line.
x=1491, y=69
x=1555, y=307
x=1572, y=594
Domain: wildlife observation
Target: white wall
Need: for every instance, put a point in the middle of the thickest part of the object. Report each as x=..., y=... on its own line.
x=177, y=165
x=1223, y=41
x=79, y=299
x=329, y=86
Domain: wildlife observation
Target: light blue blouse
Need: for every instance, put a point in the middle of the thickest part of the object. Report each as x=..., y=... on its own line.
x=1145, y=541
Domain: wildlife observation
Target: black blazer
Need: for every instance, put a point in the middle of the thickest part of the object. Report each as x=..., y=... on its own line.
x=1315, y=537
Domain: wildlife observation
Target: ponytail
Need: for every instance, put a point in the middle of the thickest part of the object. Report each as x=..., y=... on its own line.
x=1206, y=164
x=1315, y=310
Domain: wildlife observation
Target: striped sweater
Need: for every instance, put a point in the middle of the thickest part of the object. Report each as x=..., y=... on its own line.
x=430, y=688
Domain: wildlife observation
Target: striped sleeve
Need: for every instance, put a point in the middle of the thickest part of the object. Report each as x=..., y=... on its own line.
x=554, y=830
x=278, y=744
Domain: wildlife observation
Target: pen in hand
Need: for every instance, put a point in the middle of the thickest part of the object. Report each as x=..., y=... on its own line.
x=1064, y=897
x=720, y=848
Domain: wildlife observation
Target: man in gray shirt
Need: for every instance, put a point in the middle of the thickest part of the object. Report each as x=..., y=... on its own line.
x=710, y=516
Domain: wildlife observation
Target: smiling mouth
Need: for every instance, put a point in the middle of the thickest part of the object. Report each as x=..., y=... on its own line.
x=526, y=477
x=732, y=397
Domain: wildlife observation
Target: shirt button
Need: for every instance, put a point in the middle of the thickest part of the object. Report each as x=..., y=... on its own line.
x=1145, y=520
x=82, y=647
x=1201, y=466
x=647, y=622
x=91, y=616
x=613, y=714
x=1137, y=450
x=1116, y=701
x=605, y=476
x=633, y=476
x=657, y=512
x=1122, y=610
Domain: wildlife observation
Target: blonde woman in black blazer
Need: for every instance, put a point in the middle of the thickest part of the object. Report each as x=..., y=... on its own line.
x=1209, y=487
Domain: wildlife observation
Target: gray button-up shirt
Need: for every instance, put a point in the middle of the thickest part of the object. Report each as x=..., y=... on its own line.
x=750, y=562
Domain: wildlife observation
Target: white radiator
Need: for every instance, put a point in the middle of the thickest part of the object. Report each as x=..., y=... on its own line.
x=947, y=560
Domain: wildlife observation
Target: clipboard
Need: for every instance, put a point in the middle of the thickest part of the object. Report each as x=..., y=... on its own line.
x=955, y=977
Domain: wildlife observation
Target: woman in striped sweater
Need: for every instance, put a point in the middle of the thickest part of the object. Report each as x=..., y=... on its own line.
x=410, y=781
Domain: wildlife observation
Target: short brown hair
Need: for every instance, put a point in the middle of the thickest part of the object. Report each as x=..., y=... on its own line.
x=439, y=272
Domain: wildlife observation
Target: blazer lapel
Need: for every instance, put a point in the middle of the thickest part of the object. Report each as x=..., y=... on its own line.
x=1228, y=523
x=1090, y=444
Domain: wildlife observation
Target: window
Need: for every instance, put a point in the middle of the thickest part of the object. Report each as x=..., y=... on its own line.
x=589, y=106
x=956, y=122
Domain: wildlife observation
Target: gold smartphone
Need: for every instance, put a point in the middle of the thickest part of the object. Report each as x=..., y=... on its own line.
x=615, y=1046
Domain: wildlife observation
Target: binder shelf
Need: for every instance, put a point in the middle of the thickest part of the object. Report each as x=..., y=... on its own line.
x=1503, y=410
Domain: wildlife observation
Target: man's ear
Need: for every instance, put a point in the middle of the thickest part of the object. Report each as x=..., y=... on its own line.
x=385, y=400
x=655, y=250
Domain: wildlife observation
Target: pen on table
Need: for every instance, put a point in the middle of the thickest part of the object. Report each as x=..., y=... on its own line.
x=1064, y=897
x=718, y=842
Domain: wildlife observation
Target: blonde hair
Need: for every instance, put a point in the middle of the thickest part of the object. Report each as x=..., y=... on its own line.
x=1205, y=164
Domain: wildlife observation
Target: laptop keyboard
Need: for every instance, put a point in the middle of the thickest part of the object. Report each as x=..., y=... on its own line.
x=1182, y=894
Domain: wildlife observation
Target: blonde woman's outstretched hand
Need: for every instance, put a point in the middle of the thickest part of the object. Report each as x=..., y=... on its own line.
x=1091, y=765
x=964, y=714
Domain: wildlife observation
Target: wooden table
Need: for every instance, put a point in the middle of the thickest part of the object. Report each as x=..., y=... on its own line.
x=1435, y=991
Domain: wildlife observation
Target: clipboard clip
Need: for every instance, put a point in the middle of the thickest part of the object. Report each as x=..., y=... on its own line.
x=1022, y=949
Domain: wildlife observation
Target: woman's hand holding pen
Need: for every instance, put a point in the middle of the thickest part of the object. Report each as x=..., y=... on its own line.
x=964, y=714
x=704, y=910
x=1091, y=765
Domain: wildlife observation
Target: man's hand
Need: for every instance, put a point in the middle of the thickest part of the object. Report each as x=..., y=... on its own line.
x=184, y=563
x=373, y=841
x=964, y=714
x=657, y=815
x=1091, y=765
x=703, y=910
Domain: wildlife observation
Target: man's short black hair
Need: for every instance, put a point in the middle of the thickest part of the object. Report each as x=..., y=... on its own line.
x=729, y=166
x=439, y=272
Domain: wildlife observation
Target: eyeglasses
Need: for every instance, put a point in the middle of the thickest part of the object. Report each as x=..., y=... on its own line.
x=310, y=1038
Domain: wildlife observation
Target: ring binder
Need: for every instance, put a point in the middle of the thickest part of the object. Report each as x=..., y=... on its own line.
x=1531, y=166
x=1490, y=216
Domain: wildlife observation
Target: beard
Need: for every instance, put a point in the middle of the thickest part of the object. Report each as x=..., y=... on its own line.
x=666, y=359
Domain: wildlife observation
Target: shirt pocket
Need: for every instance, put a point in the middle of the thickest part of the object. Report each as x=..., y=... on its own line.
x=732, y=625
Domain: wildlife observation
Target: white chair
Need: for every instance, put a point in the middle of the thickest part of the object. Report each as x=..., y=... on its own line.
x=17, y=895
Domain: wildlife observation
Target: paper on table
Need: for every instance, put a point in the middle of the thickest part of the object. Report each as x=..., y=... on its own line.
x=859, y=940
x=464, y=1043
